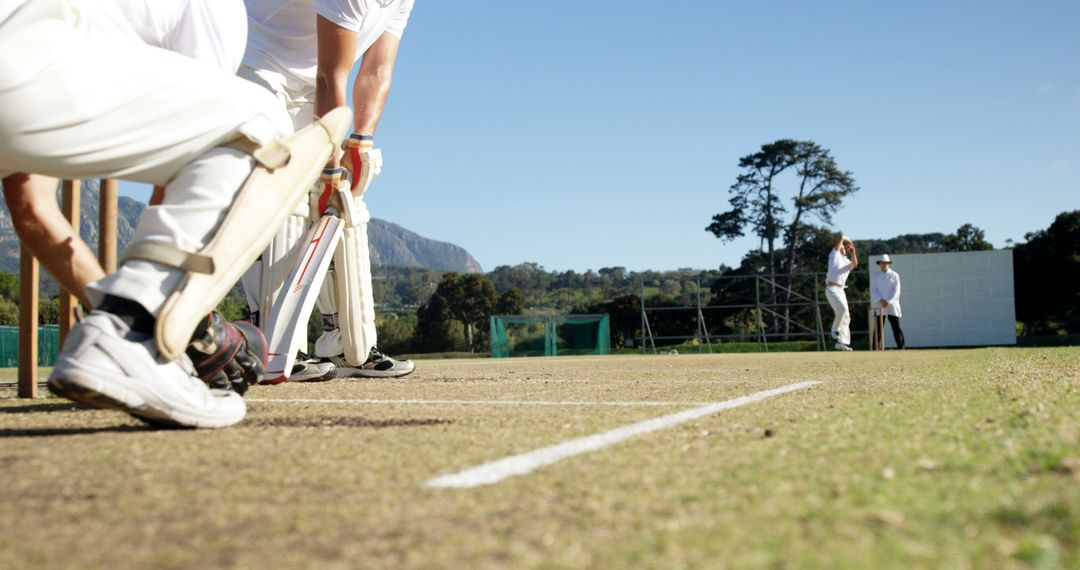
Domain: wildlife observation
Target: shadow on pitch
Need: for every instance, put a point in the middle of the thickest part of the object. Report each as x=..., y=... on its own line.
x=54, y=432
x=40, y=408
x=340, y=421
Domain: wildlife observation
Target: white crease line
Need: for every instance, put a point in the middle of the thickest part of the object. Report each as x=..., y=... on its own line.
x=472, y=402
x=523, y=463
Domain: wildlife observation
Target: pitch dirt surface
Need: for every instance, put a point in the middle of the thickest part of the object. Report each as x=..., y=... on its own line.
x=958, y=459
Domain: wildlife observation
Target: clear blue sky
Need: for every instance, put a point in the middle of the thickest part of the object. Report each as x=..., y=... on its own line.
x=590, y=134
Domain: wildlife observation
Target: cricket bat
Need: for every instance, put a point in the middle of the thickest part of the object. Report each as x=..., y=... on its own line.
x=289, y=315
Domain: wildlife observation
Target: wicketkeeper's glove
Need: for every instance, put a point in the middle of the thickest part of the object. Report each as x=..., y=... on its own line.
x=228, y=355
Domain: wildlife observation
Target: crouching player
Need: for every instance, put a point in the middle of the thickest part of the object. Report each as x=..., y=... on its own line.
x=213, y=140
x=213, y=32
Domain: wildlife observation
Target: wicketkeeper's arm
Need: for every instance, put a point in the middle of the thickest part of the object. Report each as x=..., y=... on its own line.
x=44, y=229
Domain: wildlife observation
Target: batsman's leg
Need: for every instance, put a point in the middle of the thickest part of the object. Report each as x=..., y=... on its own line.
x=348, y=308
x=263, y=282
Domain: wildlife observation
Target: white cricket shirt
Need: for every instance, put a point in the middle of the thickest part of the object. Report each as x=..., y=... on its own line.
x=885, y=286
x=214, y=31
x=281, y=33
x=839, y=267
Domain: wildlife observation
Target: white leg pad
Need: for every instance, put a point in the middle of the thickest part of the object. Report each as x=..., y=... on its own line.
x=350, y=280
x=259, y=208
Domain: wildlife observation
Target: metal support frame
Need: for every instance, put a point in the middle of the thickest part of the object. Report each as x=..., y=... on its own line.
x=761, y=306
x=646, y=330
x=702, y=330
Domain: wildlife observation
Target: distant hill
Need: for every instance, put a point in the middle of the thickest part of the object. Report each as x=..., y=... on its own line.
x=394, y=245
x=390, y=243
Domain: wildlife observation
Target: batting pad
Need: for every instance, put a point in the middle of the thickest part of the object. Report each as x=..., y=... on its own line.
x=351, y=281
x=285, y=171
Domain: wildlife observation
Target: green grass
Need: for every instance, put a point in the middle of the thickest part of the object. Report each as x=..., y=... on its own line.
x=916, y=459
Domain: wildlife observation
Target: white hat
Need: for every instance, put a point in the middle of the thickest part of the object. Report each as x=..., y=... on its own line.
x=884, y=259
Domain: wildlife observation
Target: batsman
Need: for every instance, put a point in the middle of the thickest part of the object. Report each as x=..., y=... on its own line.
x=303, y=52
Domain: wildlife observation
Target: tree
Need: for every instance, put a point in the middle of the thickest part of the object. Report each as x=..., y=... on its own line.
x=822, y=189
x=9, y=286
x=433, y=332
x=511, y=302
x=49, y=311
x=1047, y=270
x=395, y=333
x=625, y=314
x=9, y=312
x=968, y=238
x=756, y=199
x=468, y=299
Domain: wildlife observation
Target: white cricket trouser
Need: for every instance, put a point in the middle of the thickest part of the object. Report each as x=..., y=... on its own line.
x=299, y=102
x=74, y=104
x=841, y=326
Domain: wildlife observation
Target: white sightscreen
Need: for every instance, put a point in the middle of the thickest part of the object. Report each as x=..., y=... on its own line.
x=955, y=299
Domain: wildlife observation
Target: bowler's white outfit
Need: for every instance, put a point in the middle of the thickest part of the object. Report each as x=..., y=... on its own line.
x=835, y=282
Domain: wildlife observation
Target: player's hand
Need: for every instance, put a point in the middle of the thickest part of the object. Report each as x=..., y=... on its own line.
x=329, y=181
x=228, y=355
x=363, y=161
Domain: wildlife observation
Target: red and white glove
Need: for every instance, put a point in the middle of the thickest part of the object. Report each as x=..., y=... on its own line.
x=330, y=181
x=363, y=161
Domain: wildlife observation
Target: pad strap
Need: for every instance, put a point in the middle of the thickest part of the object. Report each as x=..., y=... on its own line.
x=271, y=155
x=170, y=256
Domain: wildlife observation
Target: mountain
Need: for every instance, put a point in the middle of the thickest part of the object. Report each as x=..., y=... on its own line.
x=394, y=245
x=390, y=243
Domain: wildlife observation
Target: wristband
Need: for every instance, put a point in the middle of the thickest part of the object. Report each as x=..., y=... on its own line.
x=362, y=138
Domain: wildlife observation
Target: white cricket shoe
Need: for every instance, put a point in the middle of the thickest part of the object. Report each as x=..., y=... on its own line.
x=101, y=368
x=843, y=347
x=309, y=369
x=377, y=365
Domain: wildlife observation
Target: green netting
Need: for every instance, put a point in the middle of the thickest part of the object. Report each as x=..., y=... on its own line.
x=48, y=345
x=549, y=335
